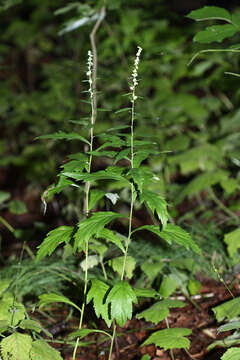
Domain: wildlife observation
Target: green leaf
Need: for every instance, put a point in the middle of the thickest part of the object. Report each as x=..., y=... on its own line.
x=4, y=196
x=231, y=354
x=10, y=310
x=93, y=226
x=194, y=286
x=123, y=154
x=168, y=285
x=121, y=298
x=46, y=299
x=228, y=310
x=95, y=196
x=17, y=207
x=140, y=156
x=16, y=347
x=160, y=310
x=122, y=110
x=152, y=269
x=149, y=293
x=3, y=326
x=230, y=326
x=210, y=13
x=42, y=351
x=31, y=325
x=215, y=33
x=61, y=135
x=111, y=173
x=53, y=239
x=232, y=240
x=145, y=357
x=116, y=239
x=173, y=233
x=97, y=293
x=4, y=284
x=155, y=202
x=236, y=20
x=117, y=265
x=170, y=338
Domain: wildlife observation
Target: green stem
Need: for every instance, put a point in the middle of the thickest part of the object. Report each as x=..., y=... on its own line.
x=111, y=346
x=171, y=351
x=222, y=206
x=5, y=223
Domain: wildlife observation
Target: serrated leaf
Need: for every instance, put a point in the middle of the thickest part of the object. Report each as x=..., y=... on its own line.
x=117, y=265
x=113, y=237
x=3, y=326
x=95, y=196
x=121, y=297
x=31, y=325
x=61, y=135
x=210, y=13
x=111, y=173
x=168, y=285
x=232, y=240
x=4, y=196
x=17, y=207
x=42, y=351
x=140, y=156
x=53, y=239
x=149, y=293
x=113, y=197
x=155, y=202
x=93, y=226
x=97, y=293
x=215, y=33
x=123, y=154
x=160, y=310
x=173, y=233
x=46, y=299
x=230, y=326
x=10, y=310
x=170, y=338
x=16, y=347
x=228, y=310
x=231, y=354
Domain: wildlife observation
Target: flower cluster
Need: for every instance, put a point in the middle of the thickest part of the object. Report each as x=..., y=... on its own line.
x=89, y=72
x=135, y=74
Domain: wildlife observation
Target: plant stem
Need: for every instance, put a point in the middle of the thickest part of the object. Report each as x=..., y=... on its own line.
x=113, y=337
x=171, y=351
x=222, y=206
x=6, y=224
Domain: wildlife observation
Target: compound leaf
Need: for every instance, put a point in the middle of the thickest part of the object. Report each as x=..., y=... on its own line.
x=170, y=338
x=16, y=347
x=121, y=297
x=53, y=239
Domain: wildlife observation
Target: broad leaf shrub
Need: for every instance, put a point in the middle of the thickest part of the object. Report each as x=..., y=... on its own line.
x=113, y=298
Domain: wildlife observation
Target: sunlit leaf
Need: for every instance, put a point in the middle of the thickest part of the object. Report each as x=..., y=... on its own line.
x=40, y=350
x=231, y=354
x=16, y=346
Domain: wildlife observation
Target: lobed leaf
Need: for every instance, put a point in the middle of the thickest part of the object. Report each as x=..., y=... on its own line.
x=97, y=293
x=173, y=338
x=121, y=297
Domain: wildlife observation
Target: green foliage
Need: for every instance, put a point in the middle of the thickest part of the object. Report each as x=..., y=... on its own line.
x=121, y=297
x=231, y=354
x=228, y=310
x=16, y=346
x=232, y=240
x=97, y=293
x=40, y=350
x=160, y=310
x=170, y=338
